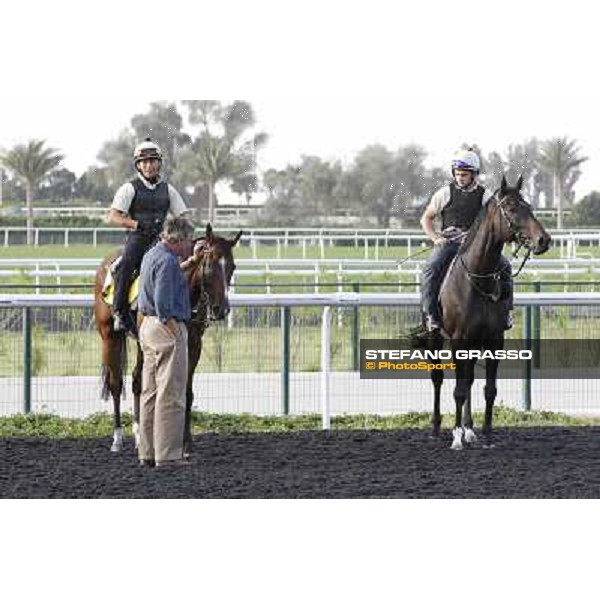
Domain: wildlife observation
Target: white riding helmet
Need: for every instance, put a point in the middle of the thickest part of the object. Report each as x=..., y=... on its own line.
x=467, y=160
x=147, y=149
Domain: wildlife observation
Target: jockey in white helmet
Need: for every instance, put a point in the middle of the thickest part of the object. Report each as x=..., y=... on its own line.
x=457, y=205
x=141, y=206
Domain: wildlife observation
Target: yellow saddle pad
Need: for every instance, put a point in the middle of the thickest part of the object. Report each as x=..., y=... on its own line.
x=108, y=290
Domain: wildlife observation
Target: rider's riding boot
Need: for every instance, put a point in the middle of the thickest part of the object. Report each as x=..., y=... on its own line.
x=432, y=323
x=509, y=322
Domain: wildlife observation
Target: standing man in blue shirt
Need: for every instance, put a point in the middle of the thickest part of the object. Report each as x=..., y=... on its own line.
x=165, y=303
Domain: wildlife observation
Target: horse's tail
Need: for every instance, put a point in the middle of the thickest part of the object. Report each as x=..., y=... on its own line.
x=105, y=391
x=104, y=381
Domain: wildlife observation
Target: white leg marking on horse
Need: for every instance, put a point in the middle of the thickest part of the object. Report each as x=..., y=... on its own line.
x=470, y=437
x=117, y=444
x=457, y=434
x=136, y=434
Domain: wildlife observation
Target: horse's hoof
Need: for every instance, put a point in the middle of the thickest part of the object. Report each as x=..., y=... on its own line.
x=116, y=447
x=457, y=435
x=117, y=444
x=470, y=437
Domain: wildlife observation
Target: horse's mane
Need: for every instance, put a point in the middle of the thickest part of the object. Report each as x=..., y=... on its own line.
x=472, y=232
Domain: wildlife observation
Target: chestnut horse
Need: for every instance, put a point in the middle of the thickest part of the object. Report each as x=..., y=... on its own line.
x=208, y=271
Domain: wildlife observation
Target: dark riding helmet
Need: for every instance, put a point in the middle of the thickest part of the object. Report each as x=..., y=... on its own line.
x=467, y=160
x=147, y=149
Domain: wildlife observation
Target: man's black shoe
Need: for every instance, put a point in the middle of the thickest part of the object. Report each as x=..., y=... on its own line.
x=147, y=462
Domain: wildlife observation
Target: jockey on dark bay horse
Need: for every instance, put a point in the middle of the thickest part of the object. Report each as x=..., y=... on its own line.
x=458, y=205
x=141, y=206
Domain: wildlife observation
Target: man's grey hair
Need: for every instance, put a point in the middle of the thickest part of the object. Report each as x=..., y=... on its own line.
x=177, y=229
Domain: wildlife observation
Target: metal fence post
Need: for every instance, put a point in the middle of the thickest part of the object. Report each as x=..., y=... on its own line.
x=527, y=366
x=325, y=367
x=27, y=360
x=285, y=359
x=537, y=287
x=355, y=331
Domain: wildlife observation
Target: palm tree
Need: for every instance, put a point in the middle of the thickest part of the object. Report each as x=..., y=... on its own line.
x=559, y=157
x=222, y=150
x=31, y=162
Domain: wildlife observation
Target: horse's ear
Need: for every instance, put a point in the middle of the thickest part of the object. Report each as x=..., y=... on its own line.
x=503, y=185
x=520, y=183
x=236, y=239
x=209, y=230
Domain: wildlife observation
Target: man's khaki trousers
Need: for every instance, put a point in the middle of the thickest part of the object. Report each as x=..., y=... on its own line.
x=162, y=403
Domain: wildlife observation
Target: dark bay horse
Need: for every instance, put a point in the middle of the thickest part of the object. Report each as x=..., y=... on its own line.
x=208, y=271
x=473, y=312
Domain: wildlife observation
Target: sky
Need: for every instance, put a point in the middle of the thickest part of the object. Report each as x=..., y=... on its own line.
x=331, y=127
x=328, y=84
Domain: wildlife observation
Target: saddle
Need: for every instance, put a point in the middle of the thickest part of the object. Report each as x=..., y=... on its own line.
x=108, y=287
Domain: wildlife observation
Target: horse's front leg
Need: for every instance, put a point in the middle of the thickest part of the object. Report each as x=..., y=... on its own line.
x=462, y=391
x=437, y=378
x=194, y=352
x=489, y=391
x=470, y=437
x=136, y=388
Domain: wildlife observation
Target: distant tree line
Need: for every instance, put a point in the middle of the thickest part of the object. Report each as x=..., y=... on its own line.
x=206, y=142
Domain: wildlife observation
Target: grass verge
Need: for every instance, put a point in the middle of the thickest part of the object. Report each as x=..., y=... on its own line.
x=100, y=425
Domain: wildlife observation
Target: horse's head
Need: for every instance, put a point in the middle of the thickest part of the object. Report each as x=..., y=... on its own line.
x=210, y=269
x=517, y=222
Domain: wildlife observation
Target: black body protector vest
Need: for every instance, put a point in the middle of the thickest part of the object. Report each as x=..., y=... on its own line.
x=149, y=206
x=463, y=207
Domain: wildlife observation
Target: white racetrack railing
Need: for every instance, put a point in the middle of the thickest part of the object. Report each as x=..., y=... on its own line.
x=326, y=301
x=72, y=268
x=369, y=240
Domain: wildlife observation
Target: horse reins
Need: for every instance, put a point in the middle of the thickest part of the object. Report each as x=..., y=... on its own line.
x=513, y=230
x=449, y=239
x=204, y=298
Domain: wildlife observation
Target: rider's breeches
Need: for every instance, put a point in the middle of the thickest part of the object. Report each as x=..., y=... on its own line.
x=135, y=248
x=432, y=275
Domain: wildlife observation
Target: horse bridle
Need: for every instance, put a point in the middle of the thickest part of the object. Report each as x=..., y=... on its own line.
x=495, y=275
x=512, y=228
x=204, y=297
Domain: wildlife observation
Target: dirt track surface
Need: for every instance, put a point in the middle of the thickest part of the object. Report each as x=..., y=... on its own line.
x=524, y=463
